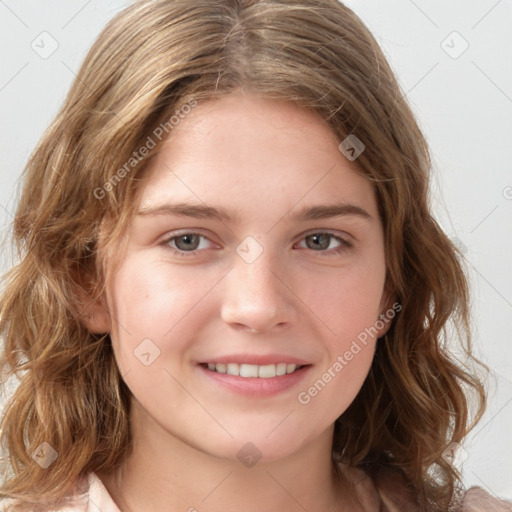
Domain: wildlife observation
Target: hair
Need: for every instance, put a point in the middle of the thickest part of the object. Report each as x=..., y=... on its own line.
x=152, y=60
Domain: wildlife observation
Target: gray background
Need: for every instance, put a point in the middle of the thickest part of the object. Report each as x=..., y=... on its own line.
x=463, y=100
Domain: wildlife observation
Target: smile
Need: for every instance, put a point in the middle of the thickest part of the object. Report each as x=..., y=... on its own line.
x=266, y=371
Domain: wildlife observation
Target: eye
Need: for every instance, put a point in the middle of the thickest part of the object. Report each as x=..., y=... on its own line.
x=322, y=242
x=187, y=242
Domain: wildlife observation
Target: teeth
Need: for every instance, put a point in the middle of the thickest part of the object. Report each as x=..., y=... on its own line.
x=252, y=370
x=267, y=371
x=281, y=369
x=248, y=370
x=233, y=369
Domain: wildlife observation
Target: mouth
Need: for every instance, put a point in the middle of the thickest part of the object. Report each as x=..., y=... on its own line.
x=241, y=376
x=266, y=371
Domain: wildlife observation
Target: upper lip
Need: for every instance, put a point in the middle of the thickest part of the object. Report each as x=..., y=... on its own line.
x=259, y=360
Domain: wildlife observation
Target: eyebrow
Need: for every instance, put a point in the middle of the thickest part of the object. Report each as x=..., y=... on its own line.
x=202, y=211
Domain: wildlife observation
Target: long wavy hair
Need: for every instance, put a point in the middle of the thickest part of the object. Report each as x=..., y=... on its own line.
x=152, y=60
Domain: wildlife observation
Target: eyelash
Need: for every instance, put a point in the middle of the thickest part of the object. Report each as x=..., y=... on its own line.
x=344, y=244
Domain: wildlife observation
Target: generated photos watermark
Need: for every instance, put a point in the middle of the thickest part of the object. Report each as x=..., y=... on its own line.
x=351, y=147
x=162, y=130
x=305, y=397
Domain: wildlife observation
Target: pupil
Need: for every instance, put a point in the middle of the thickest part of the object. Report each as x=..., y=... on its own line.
x=190, y=242
x=320, y=240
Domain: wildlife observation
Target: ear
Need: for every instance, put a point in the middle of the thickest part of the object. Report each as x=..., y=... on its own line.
x=92, y=304
x=96, y=316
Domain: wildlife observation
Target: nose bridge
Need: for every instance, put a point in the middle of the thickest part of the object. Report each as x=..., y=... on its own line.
x=253, y=274
x=255, y=297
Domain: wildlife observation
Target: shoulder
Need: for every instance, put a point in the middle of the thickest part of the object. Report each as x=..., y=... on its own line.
x=388, y=491
x=477, y=499
x=98, y=496
x=91, y=497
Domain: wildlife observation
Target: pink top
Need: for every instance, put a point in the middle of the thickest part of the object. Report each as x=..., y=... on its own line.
x=386, y=499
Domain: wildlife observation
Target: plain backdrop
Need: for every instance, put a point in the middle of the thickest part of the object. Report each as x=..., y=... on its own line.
x=453, y=62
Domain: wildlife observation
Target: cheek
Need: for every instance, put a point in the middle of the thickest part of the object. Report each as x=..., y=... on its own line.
x=348, y=300
x=152, y=301
x=349, y=306
x=350, y=303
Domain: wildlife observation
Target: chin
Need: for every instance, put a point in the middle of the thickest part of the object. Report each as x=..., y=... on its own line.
x=253, y=447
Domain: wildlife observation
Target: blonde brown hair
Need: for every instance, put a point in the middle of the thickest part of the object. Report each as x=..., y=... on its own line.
x=151, y=60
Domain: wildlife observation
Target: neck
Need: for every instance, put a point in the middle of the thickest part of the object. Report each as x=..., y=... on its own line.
x=164, y=473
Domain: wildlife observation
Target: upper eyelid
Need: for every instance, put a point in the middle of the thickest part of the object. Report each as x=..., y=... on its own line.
x=333, y=235
x=170, y=237
x=173, y=235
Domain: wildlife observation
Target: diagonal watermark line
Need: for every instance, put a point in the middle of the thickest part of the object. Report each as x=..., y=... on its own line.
x=6, y=211
x=97, y=509
x=192, y=307
x=126, y=373
x=492, y=419
x=199, y=403
x=424, y=13
x=193, y=192
x=484, y=484
x=502, y=296
x=422, y=78
x=76, y=14
x=486, y=14
x=13, y=13
x=488, y=215
x=119, y=324
x=217, y=486
x=491, y=80
x=89, y=89
x=279, y=424
x=286, y=491
x=106, y=310
x=14, y=76
x=301, y=198
x=302, y=301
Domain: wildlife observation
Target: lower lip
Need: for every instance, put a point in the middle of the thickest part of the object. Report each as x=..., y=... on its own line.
x=254, y=386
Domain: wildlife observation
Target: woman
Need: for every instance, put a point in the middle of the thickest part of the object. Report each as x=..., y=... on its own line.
x=231, y=290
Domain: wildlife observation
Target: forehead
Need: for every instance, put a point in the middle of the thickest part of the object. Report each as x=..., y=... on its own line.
x=254, y=156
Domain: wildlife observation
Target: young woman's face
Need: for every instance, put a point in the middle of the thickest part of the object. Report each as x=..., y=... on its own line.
x=257, y=251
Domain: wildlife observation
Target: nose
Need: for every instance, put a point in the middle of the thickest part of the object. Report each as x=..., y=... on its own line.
x=257, y=297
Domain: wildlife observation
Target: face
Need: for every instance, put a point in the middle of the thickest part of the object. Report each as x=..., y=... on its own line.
x=246, y=305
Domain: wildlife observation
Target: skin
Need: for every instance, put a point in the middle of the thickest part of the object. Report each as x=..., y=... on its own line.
x=262, y=161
